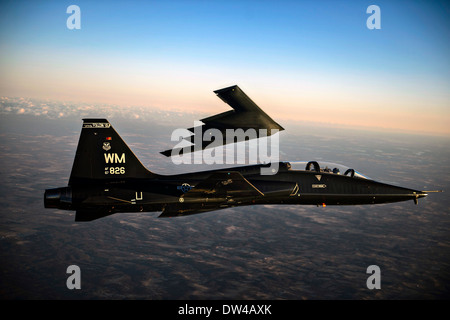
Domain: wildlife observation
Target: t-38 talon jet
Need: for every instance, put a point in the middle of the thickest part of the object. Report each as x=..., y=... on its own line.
x=107, y=178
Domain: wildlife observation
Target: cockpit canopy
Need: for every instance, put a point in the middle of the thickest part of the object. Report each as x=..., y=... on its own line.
x=324, y=167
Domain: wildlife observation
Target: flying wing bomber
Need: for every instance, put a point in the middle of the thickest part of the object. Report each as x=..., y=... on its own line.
x=245, y=115
x=107, y=178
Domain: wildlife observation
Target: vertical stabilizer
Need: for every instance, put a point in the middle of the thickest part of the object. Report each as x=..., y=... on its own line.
x=103, y=155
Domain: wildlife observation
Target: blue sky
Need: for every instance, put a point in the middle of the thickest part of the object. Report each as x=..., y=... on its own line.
x=294, y=58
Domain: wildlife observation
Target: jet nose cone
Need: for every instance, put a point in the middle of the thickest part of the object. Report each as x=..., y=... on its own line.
x=419, y=194
x=422, y=194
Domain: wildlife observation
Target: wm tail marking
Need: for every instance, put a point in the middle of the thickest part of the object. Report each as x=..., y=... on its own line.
x=114, y=158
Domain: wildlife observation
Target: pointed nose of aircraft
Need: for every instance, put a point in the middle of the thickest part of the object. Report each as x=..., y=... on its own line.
x=419, y=194
x=422, y=194
x=383, y=193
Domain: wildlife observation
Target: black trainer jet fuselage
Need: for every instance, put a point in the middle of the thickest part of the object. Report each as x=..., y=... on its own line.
x=107, y=178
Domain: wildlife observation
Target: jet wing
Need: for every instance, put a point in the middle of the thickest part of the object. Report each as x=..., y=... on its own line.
x=221, y=189
x=224, y=184
x=176, y=211
x=245, y=115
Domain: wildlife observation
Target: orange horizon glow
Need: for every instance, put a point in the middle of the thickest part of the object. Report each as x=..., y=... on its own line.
x=317, y=63
x=335, y=109
x=321, y=97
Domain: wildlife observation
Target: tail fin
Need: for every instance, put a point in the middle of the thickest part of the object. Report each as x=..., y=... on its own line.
x=103, y=155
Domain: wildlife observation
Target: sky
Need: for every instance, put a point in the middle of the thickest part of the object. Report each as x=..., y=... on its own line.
x=313, y=61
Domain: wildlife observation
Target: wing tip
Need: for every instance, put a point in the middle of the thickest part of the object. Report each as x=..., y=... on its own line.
x=230, y=88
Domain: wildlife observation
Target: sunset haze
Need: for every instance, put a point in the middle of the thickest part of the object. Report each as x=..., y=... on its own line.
x=298, y=60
